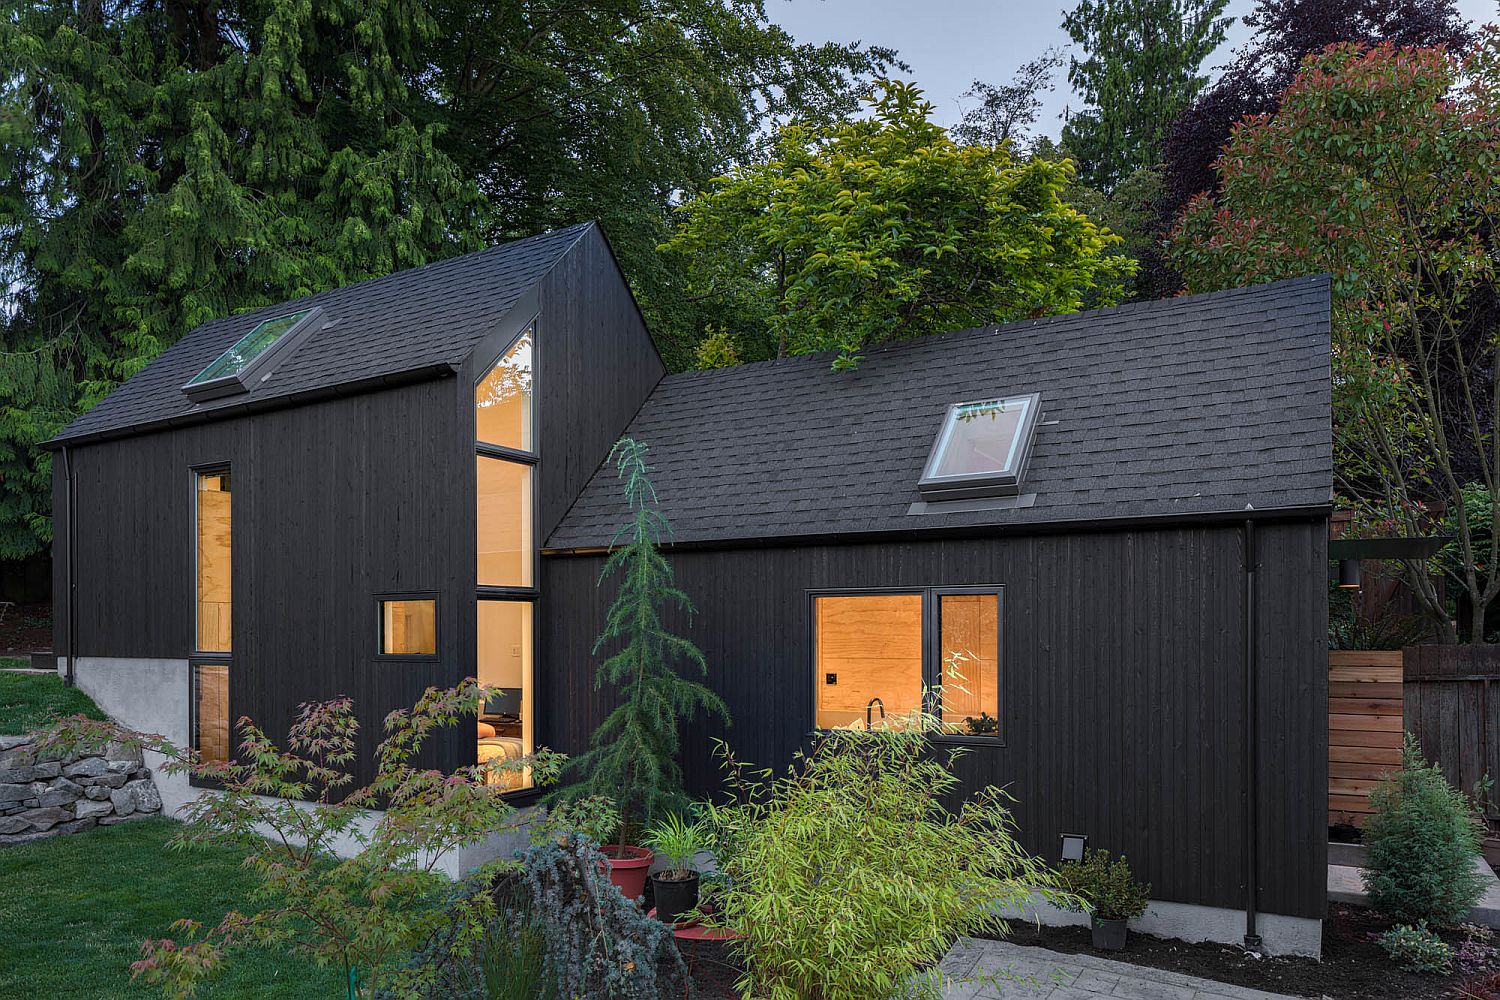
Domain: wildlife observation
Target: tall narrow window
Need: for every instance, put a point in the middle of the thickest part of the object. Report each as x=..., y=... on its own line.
x=505, y=719
x=969, y=658
x=869, y=659
x=211, y=710
x=505, y=554
x=213, y=571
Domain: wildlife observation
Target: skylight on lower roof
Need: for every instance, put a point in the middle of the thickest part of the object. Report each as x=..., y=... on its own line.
x=230, y=372
x=982, y=448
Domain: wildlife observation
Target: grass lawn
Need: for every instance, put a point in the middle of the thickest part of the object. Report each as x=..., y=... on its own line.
x=28, y=701
x=75, y=910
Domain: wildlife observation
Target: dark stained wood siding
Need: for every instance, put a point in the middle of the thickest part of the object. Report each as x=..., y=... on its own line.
x=1123, y=690
x=596, y=367
x=333, y=503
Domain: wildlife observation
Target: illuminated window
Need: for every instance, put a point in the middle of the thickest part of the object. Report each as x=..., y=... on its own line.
x=213, y=583
x=502, y=399
x=503, y=505
x=408, y=627
x=874, y=664
x=211, y=710
x=505, y=665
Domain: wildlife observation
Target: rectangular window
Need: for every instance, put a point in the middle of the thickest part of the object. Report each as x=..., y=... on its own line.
x=408, y=627
x=503, y=505
x=213, y=584
x=876, y=659
x=869, y=658
x=211, y=710
x=506, y=718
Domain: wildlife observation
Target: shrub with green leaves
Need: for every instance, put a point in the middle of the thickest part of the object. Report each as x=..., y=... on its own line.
x=1416, y=948
x=1422, y=841
x=848, y=873
x=1107, y=887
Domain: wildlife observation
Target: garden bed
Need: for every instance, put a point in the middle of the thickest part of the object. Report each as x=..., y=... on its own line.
x=25, y=629
x=1353, y=966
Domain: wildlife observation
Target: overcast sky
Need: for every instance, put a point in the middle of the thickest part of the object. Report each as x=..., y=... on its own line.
x=950, y=43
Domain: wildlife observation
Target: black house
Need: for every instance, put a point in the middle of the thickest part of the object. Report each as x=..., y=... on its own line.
x=1102, y=534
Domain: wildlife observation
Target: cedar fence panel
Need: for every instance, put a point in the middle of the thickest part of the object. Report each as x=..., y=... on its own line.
x=1451, y=708
x=1365, y=721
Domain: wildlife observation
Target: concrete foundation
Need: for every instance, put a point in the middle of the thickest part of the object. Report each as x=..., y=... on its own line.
x=1280, y=935
x=151, y=696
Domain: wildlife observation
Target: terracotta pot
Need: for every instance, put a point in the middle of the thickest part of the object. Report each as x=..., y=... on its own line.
x=628, y=872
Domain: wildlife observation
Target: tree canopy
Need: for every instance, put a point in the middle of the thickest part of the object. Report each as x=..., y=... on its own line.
x=883, y=228
x=1379, y=168
x=1141, y=63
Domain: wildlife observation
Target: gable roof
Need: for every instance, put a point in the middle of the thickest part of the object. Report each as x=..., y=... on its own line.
x=1205, y=404
x=410, y=324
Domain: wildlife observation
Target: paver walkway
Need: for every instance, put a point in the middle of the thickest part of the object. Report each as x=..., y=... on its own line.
x=976, y=970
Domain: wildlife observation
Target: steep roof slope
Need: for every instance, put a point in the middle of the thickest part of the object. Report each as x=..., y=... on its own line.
x=1196, y=405
x=417, y=319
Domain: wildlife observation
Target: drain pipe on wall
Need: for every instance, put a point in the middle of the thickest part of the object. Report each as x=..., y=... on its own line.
x=69, y=603
x=1252, y=749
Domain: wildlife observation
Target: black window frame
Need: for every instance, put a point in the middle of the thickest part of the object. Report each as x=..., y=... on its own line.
x=931, y=651
x=437, y=625
x=201, y=657
x=1006, y=482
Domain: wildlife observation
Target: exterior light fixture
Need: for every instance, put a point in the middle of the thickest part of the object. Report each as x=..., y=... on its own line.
x=1349, y=574
x=1073, y=846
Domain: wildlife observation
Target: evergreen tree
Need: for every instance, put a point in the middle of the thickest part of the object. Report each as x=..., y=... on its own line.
x=633, y=758
x=1142, y=63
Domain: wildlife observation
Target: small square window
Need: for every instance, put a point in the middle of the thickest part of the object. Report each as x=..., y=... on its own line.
x=408, y=627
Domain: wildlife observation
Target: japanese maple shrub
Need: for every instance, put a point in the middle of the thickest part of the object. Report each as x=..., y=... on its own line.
x=289, y=809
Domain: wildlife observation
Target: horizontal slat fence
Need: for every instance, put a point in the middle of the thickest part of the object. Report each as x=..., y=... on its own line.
x=1365, y=720
x=1452, y=710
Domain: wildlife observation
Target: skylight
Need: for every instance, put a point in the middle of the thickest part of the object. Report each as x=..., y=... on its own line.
x=982, y=448
x=231, y=371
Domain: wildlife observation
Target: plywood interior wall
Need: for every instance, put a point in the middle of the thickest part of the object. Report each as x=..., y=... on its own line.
x=409, y=627
x=214, y=601
x=970, y=626
x=1365, y=723
x=873, y=646
x=211, y=708
x=504, y=527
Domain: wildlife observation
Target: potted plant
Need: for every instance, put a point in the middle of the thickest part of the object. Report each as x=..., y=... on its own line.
x=1110, y=893
x=632, y=757
x=676, y=842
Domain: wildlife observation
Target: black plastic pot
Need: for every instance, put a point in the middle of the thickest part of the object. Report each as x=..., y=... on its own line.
x=1109, y=935
x=674, y=897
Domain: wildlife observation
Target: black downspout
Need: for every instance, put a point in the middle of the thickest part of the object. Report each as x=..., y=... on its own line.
x=1252, y=751
x=70, y=603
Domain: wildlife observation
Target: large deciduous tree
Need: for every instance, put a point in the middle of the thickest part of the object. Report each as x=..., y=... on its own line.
x=1379, y=168
x=1141, y=63
x=883, y=228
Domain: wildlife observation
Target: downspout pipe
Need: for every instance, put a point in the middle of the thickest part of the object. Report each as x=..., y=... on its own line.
x=1252, y=745
x=68, y=565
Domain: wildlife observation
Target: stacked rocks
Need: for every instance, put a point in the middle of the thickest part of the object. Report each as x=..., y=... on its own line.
x=47, y=793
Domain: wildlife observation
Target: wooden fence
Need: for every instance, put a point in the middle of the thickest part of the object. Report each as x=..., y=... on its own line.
x=1453, y=713
x=1365, y=722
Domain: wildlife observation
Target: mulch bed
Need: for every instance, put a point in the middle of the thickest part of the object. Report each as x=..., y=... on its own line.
x=26, y=629
x=1353, y=966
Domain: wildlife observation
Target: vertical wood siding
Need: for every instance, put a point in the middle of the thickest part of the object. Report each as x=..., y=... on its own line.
x=1122, y=692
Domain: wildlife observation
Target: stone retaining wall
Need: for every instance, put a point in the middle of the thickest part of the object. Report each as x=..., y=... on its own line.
x=48, y=793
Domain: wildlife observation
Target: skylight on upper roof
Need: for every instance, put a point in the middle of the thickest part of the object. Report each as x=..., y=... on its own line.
x=232, y=371
x=982, y=448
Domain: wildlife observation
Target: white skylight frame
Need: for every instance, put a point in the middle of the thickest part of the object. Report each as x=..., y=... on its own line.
x=998, y=482
x=258, y=366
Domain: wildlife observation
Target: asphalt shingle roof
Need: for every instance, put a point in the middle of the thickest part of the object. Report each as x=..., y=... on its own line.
x=1196, y=405
x=408, y=321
